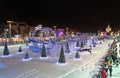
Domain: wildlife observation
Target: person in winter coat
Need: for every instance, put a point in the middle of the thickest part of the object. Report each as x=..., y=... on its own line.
x=103, y=73
x=108, y=63
x=111, y=59
x=106, y=68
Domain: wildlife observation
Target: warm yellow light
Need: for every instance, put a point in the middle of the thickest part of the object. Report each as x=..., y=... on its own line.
x=54, y=26
x=40, y=25
x=5, y=29
x=9, y=21
x=67, y=28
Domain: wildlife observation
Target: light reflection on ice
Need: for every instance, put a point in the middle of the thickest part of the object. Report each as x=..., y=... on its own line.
x=43, y=58
x=20, y=52
x=77, y=58
x=26, y=59
x=6, y=56
x=61, y=64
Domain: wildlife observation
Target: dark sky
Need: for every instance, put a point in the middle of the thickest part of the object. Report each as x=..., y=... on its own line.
x=85, y=16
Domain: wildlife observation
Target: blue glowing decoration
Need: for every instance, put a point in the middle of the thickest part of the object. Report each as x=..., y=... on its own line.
x=40, y=36
x=60, y=32
x=3, y=65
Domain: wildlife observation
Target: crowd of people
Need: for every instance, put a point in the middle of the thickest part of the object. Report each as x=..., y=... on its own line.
x=110, y=59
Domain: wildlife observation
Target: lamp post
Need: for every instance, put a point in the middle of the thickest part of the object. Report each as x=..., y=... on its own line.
x=5, y=34
x=73, y=40
x=40, y=26
x=55, y=28
x=9, y=24
x=67, y=31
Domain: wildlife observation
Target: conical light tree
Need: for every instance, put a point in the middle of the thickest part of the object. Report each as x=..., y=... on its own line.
x=90, y=46
x=77, y=55
x=43, y=53
x=26, y=55
x=6, y=50
x=93, y=42
x=81, y=44
x=67, y=48
x=77, y=43
x=62, y=56
x=94, y=45
x=20, y=49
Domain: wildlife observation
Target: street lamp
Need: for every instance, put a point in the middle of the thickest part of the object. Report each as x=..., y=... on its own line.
x=54, y=28
x=5, y=34
x=73, y=40
x=9, y=22
x=67, y=31
x=40, y=25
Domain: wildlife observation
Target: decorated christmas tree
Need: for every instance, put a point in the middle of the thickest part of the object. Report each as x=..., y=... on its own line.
x=26, y=55
x=81, y=44
x=67, y=48
x=20, y=49
x=6, y=50
x=77, y=43
x=43, y=54
x=77, y=55
x=62, y=56
x=94, y=45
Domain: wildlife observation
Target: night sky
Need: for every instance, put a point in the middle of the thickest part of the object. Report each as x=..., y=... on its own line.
x=85, y=16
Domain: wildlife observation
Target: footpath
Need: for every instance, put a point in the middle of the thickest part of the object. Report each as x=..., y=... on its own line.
x=116, y=69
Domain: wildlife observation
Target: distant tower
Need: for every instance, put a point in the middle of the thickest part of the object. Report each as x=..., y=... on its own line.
x=98, y=33
x=108, y=29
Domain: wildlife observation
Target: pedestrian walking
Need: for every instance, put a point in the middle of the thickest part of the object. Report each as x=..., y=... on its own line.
x=110, y=70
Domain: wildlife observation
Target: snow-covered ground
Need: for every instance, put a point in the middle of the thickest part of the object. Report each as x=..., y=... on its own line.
x=85, y=67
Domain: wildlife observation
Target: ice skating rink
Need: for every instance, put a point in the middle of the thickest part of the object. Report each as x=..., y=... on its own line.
x=85, y=67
